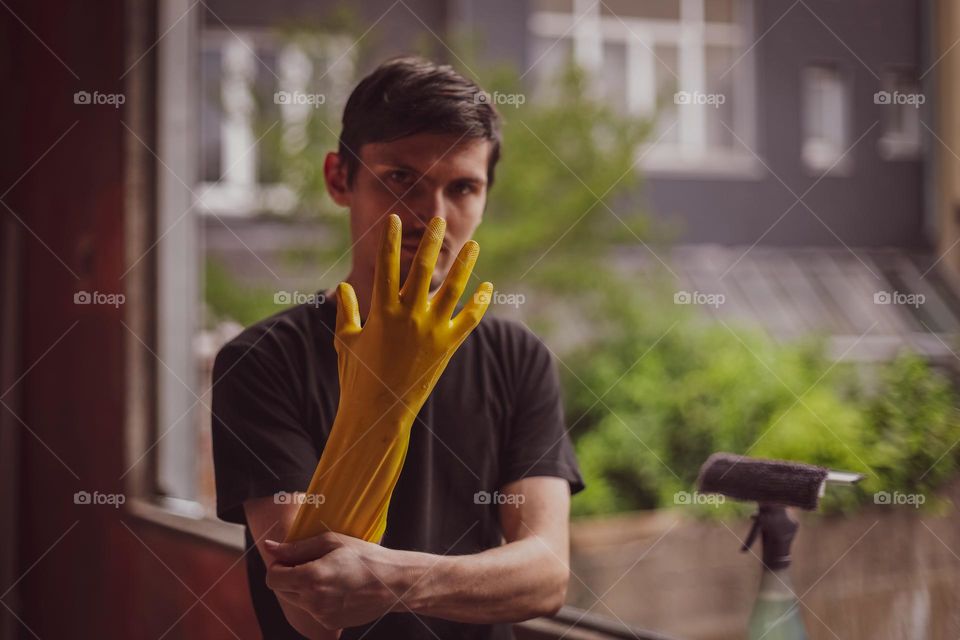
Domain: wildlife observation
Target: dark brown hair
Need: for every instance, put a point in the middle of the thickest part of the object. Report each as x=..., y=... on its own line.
x=409, y=95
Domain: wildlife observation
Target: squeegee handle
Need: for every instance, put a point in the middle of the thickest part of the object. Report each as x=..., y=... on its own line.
x=777, y=530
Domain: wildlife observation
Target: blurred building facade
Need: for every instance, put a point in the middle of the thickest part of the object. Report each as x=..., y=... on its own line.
x=773, y=124
x=794, y=142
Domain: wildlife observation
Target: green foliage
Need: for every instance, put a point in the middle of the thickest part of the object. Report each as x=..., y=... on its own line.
x=554, y=210
x=674, y=397
x=227, y=300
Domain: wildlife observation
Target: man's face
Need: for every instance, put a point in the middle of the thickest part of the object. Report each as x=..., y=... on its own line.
x=418, y=178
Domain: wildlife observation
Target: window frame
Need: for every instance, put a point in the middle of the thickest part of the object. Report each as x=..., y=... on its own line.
x=842, y=166
x=589, y=30
x=896, y=145
x=238, y=192
x=164, y=249
x=151, y=242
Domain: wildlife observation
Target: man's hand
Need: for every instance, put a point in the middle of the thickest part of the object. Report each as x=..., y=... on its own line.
x=339, y=580
x=394, y=360
x=387, y=369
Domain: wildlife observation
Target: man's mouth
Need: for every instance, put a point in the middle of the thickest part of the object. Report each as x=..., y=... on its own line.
x=413, y=244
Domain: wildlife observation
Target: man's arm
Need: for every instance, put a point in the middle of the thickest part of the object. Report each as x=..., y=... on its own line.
x=523, y=579
x=269, y=520
x=345, y=581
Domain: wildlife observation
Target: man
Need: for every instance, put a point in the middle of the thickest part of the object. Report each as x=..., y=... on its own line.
x=476, y=532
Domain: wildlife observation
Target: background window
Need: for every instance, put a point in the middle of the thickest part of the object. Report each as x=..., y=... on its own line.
x=900, y=102
x=225, y=246
x=681, y=63
x=825, y=115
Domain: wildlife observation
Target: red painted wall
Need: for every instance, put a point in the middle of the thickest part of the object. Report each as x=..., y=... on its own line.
x=84, y=572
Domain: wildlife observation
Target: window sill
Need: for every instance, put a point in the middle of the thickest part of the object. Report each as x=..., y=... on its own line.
x=707, y=166
x=237, y=200
x=899, y=148
x=176, y=515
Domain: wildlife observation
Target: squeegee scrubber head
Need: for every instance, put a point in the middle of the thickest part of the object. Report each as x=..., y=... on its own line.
x=748, y=479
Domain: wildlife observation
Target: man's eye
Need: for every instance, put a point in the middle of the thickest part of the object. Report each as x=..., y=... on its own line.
x=463, y=188
x=399, y=177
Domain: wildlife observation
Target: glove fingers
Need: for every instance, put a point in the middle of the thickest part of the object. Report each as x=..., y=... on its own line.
x=386, y=279
x=348, y=310
x=469, y=317
x=417, y=286
x=445, y=300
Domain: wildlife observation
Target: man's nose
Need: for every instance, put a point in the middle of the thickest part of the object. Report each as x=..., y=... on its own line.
x=426, y=205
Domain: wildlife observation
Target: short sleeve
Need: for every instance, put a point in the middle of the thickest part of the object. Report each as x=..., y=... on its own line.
x=260, y=444
x=538, y=443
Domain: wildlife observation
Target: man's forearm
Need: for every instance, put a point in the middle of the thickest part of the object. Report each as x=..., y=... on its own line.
x=517, y=581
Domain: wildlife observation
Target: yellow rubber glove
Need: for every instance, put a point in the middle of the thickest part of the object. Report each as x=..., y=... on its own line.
x=387, y=368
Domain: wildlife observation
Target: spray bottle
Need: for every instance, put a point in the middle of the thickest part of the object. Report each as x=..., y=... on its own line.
x=774, y=485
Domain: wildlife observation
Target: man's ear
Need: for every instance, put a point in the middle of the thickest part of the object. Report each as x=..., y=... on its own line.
x=335, y=175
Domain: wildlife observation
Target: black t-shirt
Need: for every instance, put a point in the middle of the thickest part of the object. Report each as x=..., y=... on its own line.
x=495, y=416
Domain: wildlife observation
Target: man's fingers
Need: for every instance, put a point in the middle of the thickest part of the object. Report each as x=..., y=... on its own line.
x=306, y=550
x=292, y=580
x=417, y=285
x=445, y=300
x=386, y=278
x=348, y=310
x=469, y=317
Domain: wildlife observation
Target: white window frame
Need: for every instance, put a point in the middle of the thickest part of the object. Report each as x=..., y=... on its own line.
x=842, y=164
x=588, y=30
x=238, y=192
x=897, y=144
x=172, y=244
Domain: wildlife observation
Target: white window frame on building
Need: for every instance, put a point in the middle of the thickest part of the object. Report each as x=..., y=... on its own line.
x=825, y=119
x=239, y=191
x=687, y=150
x=901, y=138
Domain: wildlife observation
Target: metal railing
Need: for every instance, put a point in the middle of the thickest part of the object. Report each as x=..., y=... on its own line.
x=572, y=623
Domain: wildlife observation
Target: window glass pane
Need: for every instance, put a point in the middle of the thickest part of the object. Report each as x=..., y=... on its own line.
x=665, y=76
x=900, y=102
x=718, y=10
x=268, y=112
x=905, y=98
x=615, y=74
x=211, y=115
x=650, y=9
x=824, y=116
x=548, y=58
x=720, y=119
x=565, y=6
